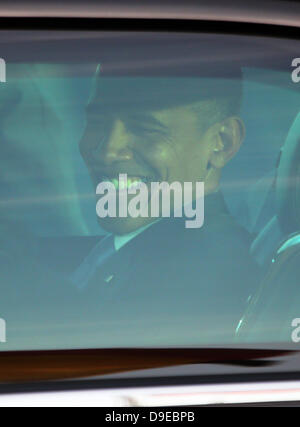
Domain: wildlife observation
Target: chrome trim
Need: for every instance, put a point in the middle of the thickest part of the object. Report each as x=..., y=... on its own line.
x=197, y=395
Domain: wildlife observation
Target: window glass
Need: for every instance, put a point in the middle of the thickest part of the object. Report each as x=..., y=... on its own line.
x=144, y=200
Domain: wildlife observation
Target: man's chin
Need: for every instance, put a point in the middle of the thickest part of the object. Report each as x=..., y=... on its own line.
x=122, y=226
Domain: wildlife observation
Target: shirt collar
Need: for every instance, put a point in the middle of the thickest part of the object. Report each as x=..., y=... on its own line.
x=121, y=240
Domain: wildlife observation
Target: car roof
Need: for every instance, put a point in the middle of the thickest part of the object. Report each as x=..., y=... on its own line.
x=275, y=12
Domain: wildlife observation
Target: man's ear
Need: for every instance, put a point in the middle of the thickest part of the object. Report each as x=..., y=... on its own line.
x=227, y=138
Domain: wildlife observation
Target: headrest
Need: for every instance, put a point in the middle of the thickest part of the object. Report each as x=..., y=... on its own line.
x=288, y=181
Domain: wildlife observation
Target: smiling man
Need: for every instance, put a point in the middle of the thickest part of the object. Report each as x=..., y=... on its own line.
x=155, y=272
x=159, y=130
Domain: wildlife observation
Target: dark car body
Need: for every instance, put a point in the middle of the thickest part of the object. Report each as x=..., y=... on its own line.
x=188, y=376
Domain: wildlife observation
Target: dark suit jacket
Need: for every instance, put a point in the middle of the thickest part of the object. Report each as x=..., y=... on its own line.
x=168, y=285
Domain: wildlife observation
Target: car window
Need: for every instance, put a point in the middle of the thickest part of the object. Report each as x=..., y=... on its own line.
x=145, y=185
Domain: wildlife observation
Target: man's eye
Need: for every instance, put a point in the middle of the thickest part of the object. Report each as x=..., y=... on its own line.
x=148, y=131
x=102, y=137
x=151, y=132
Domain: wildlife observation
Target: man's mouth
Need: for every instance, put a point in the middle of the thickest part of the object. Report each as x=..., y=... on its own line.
x=129, y=183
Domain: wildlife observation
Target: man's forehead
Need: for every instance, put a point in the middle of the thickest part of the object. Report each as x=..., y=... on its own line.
x=124, y=94
x=149, y=115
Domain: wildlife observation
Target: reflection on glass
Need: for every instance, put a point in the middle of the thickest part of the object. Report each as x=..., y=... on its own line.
x=158, y=109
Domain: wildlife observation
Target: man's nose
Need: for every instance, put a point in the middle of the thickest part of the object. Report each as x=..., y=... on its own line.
x=118, y=145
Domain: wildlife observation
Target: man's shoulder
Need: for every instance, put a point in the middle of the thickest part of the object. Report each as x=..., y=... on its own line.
x=216, y=230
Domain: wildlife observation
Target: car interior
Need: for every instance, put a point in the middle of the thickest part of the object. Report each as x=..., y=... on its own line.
x=277, y=249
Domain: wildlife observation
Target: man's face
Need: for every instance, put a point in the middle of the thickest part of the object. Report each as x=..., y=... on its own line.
x=152, y=146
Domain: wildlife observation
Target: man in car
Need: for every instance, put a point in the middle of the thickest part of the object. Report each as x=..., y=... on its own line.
x=155, y=272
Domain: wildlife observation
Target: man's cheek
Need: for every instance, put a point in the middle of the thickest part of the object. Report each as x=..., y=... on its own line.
x=163, y=161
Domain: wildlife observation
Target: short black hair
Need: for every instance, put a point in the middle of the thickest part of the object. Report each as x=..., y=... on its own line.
x=213, y=93
x=217, y=108
x=222, y=97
